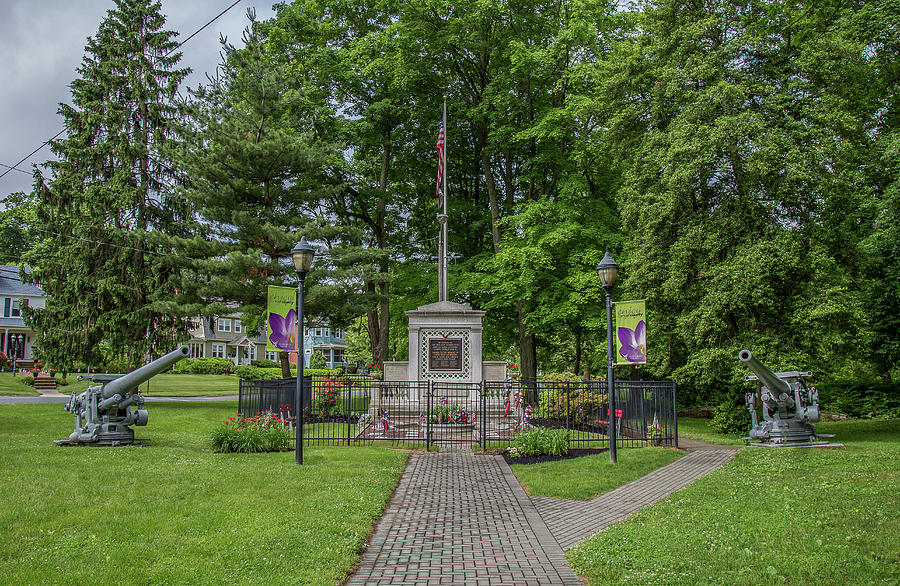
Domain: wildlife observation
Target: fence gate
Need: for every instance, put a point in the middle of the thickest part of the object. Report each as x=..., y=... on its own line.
x=358, y=410
x=455, y=413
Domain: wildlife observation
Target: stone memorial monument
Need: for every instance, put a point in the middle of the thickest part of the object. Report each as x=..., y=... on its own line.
x=445, y=345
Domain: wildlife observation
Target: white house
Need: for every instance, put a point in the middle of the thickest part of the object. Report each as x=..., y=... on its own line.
x=18, y=338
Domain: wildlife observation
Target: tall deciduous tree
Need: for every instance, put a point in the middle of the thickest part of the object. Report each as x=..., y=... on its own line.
x=108, y=197
x=744, y=126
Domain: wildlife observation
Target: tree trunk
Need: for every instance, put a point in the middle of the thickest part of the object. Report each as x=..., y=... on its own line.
x=284, y=358
x=380, y=321
x=527, y=354
x=577, y=350
x=492, y=191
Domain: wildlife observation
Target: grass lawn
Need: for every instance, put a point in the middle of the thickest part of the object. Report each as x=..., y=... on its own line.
x=699, y=429
x=590, y=476
x=12, y=386
x=173, y=511
x=161, y=385
x=815, y=516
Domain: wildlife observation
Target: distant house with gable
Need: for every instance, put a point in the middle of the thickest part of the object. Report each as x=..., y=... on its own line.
x=17, y=338
x=226, y=337
x=327, y=341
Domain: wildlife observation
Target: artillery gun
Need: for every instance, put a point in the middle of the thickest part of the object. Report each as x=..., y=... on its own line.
x=103, y=408
x=789, y=407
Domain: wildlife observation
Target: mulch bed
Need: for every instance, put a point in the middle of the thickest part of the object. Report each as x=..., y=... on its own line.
x=547, y=458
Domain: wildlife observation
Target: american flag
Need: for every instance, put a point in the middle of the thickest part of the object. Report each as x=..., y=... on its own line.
x=440, y=150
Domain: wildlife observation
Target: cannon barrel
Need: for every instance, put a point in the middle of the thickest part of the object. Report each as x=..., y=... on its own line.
x=768, y=378
x=126, y=382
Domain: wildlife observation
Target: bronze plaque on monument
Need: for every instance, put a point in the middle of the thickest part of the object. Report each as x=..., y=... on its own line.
x=445, y=354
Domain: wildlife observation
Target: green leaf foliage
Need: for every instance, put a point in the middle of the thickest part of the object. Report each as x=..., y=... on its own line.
x=106, y=212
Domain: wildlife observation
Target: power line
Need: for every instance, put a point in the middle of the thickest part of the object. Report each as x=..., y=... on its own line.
x=175, y=48
x=25, y=158
x=14, y=168
x=202, y=27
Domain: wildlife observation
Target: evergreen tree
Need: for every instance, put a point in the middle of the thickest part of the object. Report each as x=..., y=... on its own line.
x=257, y=174
x=106, y=205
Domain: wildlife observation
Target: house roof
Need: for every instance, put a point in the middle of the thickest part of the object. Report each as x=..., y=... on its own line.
x=11, y=283
x=336, y=345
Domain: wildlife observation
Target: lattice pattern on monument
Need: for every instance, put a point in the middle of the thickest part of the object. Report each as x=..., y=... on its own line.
x=444, y=375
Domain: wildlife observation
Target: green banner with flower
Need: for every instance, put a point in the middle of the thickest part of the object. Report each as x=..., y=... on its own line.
x=631, y=332
x=281, y=327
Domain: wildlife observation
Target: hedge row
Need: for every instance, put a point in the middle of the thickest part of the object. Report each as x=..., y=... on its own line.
x=203, y=366
x=257, y=373
x=861, y=399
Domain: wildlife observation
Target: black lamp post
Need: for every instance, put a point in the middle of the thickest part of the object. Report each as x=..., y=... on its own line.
x=608, y=269
x=303, y=255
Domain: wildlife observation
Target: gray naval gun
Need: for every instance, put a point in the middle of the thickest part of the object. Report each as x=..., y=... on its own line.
x=102, y=414
x=789, y=407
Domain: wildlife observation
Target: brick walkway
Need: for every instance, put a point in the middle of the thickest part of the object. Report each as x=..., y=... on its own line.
x=461, y=518
x=573, y=521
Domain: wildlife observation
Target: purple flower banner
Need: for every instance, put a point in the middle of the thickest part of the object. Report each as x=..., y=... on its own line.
x=281, y=326
x=631, y=332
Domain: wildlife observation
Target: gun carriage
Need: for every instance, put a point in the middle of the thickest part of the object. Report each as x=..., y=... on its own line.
x=102, y=414
x=789, y=407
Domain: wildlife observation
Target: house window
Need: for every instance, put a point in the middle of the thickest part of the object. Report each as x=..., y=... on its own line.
x=273, y=356
x=224, y=325
x=339, y=334
x=16, y=311
x=338, y=355
x=326, y=332
x=237, y=326
x=318, y=332
x=196, y=350
x=218, y=350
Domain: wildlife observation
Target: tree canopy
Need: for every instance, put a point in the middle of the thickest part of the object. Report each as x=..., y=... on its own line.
x=739, y=158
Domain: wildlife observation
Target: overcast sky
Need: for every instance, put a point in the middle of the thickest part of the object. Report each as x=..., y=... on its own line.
x=42, y=43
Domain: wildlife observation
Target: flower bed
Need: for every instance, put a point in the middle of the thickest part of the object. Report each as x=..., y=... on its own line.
x=265, y=432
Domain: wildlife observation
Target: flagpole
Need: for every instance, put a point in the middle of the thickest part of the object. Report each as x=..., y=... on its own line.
x=444, y=222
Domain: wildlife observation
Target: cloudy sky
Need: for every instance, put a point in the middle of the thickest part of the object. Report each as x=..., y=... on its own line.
x=42, y=43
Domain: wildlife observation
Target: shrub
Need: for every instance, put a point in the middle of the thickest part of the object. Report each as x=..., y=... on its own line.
x=861, y=399
x=325, y=397
x=560, y=377
x=204, y=366
x=329, y=372
x=264, y=364
x=28, y=381
x=731, y=417
x=62, y=381
x=254, y=372
x=257, y=373
x=317, y=360
x=584, y=405
x=540, y=441
x=266, y=432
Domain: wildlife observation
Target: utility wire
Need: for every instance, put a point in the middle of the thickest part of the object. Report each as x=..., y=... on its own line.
x=175, y=48
x=25, y=158
x=14, y=168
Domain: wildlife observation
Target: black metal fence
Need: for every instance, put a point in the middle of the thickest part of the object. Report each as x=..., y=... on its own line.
x=358, y=409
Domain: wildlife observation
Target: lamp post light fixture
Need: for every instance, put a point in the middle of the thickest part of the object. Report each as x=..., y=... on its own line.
x=302, y=254
x=608, y=270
